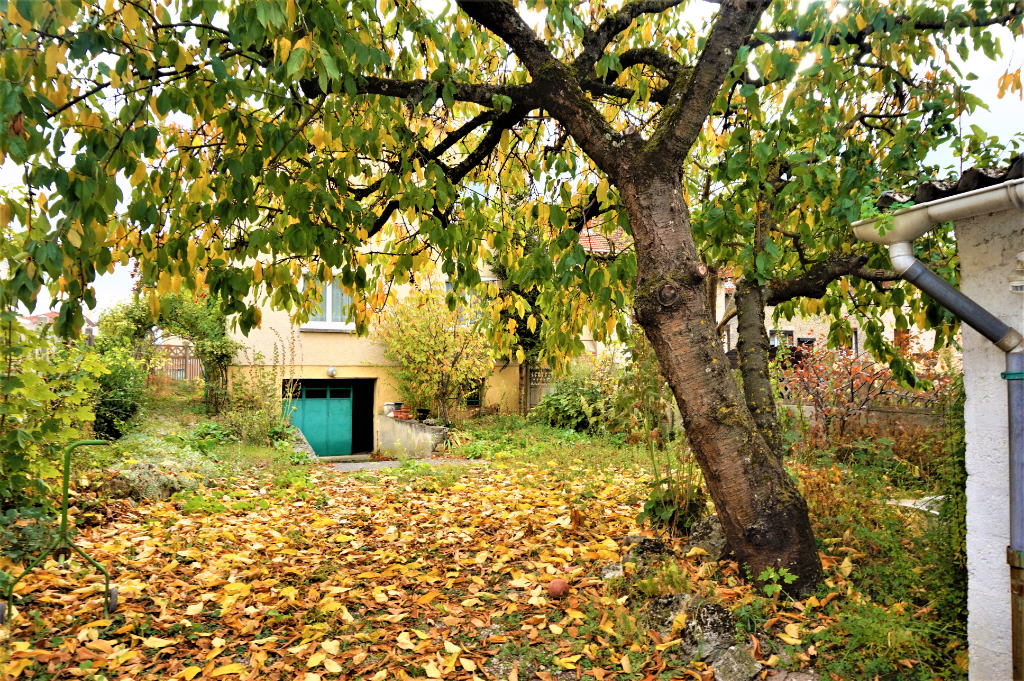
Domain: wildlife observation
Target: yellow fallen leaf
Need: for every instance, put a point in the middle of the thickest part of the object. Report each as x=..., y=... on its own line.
x=194, y=609
x=793, y=629
x=789, y=639
x=315, y=659
x=847, y=567
x=567, y=662
x=233, y=668
x=451, y=647
x=696, y=551
x=427, y=597
x=626, y=666
x=555, y=629
x=310, y=676
x=154, y=642
x=331, y=647
x=188, y=673
x=358, y=658
x=98, y=624
x=432, y=671
x=379, y=676
x=668, y=644
x=812, y=602
x=576, y=614
x=214, y=653
x=468, y=664
x=771, y=661
x=332, y=666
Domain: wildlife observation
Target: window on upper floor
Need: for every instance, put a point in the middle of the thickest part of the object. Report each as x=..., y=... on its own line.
x=334, y=311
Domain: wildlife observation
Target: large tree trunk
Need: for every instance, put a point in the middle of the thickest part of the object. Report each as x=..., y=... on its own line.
x=752, y=349
x=760, y=508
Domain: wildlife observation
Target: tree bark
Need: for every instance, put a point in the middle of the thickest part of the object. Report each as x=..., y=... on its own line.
x=752, y=348
x=758, y=504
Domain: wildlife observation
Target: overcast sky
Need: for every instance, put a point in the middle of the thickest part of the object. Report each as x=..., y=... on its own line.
x=1003, y=119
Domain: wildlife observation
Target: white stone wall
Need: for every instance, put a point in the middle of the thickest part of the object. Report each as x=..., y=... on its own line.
x=988, y=248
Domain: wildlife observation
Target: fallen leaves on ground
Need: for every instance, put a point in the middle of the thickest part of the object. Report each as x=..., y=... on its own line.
x=371, y=578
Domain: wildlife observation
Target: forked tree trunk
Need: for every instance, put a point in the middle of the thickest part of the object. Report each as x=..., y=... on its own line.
x=761, y=510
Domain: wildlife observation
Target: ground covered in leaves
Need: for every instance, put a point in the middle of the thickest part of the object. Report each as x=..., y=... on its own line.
x=281, y=569
x=398, y=574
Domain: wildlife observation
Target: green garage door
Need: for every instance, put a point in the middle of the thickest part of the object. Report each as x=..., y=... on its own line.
x=323, y=412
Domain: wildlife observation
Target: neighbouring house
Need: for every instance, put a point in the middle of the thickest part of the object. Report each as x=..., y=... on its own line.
x=987, y=208
x=34, y=322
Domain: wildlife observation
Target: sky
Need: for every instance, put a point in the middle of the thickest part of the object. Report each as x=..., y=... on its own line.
x=1003, y=119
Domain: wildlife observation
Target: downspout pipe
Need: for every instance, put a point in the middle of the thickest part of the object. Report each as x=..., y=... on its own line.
x=906, y=226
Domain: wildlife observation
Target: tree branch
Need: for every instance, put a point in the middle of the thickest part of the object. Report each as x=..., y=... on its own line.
x=814, y=282
x=595, y=42
x=502, y=19
x=902, y=20
x=692, y=96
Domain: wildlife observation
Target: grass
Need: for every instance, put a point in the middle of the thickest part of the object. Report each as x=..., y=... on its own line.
x=887, y=608
x=899, y=611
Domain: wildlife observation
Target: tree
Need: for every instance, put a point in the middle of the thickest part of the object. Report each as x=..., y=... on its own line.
x=263, y=139
x=438, y=356
x=179, y=313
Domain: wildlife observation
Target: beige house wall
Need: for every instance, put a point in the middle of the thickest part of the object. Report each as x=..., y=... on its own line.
x=814, y=327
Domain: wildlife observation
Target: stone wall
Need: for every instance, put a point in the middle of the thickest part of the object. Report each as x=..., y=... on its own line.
x=988, y=247
x=408, y=438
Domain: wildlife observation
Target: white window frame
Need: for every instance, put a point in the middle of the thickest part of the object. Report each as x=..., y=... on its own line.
x=329, y=292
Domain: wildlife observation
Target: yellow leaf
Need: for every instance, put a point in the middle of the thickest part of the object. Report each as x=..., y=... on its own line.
x=427, y=597
x=789, y=639
x=129, y=17
x=771, y=661
x=331, y=647
x=194, y=609
x=555, y=629
x=467, y=664
x=793, y=630
x=98, y=624
x=861, y=22
x=14, y=669
x=379, y=676
x=451, y=647
x=332, y=666
x=154, y=642
x=233, y=668
x=847, y=567
x=315, y=659
x=575, y=614
x=432, y=671
x=696, y=551
x=626, y=666
x=75, y=238
x=189, y=672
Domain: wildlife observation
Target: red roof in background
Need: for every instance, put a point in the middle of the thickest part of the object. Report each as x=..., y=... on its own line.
x=46, y=318
x=594, y=242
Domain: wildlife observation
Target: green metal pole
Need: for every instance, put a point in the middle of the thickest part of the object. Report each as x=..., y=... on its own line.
x=63, y=540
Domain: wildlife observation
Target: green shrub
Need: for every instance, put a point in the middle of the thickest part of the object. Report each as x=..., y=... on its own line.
x=257, y=414
x=437, y=354
x=583, y=399
x=25, y=532
x=118, y=399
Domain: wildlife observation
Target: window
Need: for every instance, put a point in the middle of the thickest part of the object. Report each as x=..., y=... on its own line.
x=334, y=311
x=777, y=338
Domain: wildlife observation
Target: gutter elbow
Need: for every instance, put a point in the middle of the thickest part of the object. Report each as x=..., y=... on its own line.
x=901, y=255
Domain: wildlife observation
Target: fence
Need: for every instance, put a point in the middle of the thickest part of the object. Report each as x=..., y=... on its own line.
x=177, y=362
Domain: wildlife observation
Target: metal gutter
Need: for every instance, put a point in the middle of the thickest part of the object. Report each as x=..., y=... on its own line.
x=907, y=225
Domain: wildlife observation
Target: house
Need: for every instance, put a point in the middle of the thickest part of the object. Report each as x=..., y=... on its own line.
x=35, y=322
x=987, y=208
